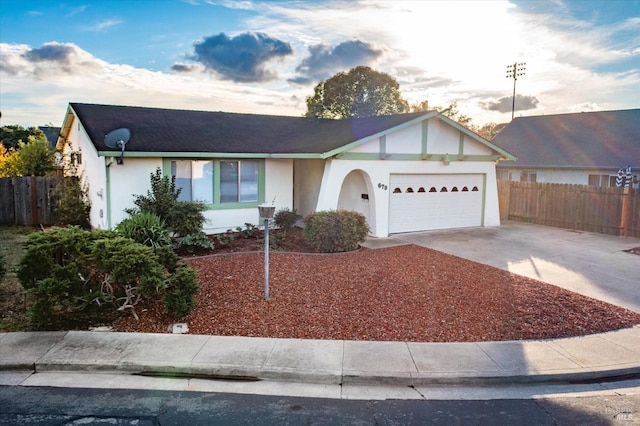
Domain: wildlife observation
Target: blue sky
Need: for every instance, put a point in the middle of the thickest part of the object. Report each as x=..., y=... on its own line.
x=266, y=56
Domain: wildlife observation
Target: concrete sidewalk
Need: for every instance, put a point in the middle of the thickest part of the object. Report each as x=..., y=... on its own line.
x=595, y=357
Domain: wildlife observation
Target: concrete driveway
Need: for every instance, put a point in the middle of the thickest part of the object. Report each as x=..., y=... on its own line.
x=591, y=264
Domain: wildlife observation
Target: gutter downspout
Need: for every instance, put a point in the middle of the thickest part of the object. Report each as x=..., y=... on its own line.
x=109, y=161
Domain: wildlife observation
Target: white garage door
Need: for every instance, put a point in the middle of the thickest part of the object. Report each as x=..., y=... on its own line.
x=424, y=202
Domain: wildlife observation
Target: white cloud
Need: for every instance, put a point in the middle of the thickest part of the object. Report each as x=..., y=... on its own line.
x=102, y=25
x=443, y=51
x=45, y=100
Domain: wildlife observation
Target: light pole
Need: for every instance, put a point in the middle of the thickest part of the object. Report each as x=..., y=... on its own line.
x=266, y=212
x=514, y=71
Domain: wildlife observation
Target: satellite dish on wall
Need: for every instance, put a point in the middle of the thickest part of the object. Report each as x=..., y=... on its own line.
x=118, y=138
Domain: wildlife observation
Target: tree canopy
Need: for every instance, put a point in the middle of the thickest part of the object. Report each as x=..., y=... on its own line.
x=33, y=157
x=12, y=134
x=364, y=92
x=361, y=92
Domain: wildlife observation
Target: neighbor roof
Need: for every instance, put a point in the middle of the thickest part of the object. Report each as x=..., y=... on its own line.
x=51, y=133
x=607, y=139
x=181, y=131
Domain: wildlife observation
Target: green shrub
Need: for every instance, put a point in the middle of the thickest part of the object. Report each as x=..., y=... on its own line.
x=181, y=218
x=145, y=228
x=249, y=230
x=71, y=204
x=187, y=218
x=80, y=278
x=181, y=288
x=335, y=231
x=148, y=229
x=285, y=218
x=195, y=242
x=133, y=270
x=226, y=238
x=57, y=269
x=167, y=257
x=160, y=200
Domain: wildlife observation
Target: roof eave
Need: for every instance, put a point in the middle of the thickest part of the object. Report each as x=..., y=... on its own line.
x=66, y=127
x=139, y=154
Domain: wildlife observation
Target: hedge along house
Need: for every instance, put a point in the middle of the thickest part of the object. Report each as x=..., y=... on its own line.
x=406, y=172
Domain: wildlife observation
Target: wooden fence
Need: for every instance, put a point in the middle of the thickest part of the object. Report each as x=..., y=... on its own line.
x=28, y=200
x=614, y=211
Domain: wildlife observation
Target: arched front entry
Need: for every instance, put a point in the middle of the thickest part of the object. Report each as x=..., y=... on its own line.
x=357, y=194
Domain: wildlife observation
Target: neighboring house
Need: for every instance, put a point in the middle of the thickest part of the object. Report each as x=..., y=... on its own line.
x=51, y=133
x=585, y=148
x=406, y=172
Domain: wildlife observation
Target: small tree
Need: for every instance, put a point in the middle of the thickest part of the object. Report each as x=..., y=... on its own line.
x=72, y=205
x=33, y=158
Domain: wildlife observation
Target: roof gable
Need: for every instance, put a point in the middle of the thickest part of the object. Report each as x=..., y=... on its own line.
x=607, y=139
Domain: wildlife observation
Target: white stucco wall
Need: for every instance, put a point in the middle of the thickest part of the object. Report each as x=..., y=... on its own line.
x=126, y=181
x=91, y=172
x=405, y=141
x=472, y=147
x=307, y=180
x=380, y=172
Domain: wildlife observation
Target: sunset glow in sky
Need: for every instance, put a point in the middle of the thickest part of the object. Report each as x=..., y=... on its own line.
x=266, y=56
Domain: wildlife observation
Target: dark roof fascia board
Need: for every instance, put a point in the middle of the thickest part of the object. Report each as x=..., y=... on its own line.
x=182, y=154
x=69, y=118
x=369, y=138
x=505, y=154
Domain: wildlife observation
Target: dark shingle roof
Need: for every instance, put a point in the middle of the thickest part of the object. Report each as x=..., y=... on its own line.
x=607, y=139
x=167, y=130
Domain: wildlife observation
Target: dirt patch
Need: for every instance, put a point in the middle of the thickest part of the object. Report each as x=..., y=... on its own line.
x=635, y=250
x=406, y=293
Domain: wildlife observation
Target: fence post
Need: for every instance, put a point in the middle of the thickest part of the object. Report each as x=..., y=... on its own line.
x=625, y=220
x=34, y=201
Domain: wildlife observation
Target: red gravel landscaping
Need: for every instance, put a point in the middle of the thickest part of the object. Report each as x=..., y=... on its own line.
x=405, y=293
